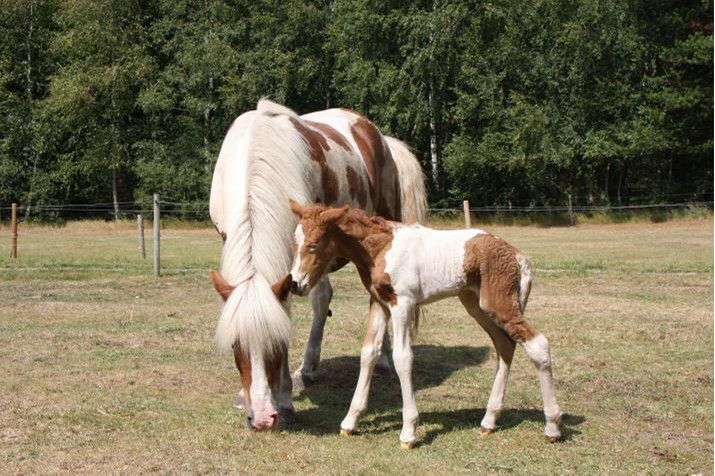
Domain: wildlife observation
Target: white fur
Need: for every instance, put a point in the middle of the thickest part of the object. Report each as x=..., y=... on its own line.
x=427, y=264
x=524, y=279
x=251, y=206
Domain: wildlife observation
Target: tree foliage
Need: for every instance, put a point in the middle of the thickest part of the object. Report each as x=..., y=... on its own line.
x=504, y=103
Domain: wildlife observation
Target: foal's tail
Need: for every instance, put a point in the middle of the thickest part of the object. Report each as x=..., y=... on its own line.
x=524, y=279
x=412, y=182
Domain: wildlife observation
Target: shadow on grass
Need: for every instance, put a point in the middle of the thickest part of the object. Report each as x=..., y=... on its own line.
x=333, y=389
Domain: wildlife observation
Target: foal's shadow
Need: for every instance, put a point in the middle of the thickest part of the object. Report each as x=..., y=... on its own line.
x=330, y=395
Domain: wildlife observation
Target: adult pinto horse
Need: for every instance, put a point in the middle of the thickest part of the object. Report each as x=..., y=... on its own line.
x=268, y=156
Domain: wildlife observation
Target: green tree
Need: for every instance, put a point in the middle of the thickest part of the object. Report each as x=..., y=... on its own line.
x=91, y=115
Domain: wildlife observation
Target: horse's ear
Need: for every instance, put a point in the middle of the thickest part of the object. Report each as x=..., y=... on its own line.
x=332, y=214
x=221, y=285
x=282, y=288
x=296, y=207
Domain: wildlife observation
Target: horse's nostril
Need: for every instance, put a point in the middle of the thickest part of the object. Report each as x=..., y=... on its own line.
x=294, y=286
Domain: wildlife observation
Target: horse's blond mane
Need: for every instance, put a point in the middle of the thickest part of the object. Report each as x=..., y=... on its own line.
x=258, y=247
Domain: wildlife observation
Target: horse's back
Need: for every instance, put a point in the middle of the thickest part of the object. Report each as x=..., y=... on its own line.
x=375, y=159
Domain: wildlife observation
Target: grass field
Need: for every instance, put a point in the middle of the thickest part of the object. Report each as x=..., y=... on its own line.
x=105, y=369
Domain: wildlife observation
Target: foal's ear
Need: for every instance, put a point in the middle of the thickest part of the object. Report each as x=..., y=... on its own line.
x=281, y=288
x=296, y=207
x=221, y=285
x=332, y=214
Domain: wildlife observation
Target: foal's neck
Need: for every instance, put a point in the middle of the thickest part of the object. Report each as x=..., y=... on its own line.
x=361, y=238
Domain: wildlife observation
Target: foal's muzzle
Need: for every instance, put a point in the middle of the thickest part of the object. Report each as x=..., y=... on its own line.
x=299, y=288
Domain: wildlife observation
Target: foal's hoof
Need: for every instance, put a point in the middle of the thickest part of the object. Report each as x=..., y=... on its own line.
x=484, y=431
x=409, y=445
x=344, y=432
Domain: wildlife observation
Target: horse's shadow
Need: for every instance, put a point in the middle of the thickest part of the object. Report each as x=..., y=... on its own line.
x=329, y=396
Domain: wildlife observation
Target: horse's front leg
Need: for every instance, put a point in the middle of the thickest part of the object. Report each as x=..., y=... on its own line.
x=402, y=314
x=286, y=412
x=320, y=298
x=369, y=356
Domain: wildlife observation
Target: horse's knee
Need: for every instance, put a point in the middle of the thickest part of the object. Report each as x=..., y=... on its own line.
x=537, y=348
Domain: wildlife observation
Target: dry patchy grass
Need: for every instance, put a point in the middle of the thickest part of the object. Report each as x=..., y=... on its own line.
x=106, y=369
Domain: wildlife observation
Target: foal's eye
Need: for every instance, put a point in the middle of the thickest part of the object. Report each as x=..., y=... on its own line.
x=312, y=248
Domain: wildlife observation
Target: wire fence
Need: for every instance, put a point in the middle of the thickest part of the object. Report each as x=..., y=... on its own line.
x=200, y=210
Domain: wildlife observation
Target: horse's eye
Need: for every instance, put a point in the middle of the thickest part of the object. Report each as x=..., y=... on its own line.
x=312, y=248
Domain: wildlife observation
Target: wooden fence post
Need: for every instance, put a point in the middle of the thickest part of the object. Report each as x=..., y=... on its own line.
x=140, y=226
x=467, y=215
x=571, y=211
x=13, y=231
x=157, y=226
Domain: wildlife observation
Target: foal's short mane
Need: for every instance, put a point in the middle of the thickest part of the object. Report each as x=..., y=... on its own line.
x=358, y=223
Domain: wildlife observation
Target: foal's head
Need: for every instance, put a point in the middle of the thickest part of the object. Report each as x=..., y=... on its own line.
x=314, y=251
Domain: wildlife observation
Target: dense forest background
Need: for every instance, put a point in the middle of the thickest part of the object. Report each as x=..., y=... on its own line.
x=505, y=102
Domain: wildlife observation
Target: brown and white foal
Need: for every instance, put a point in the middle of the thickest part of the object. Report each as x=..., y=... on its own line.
x=404, y=266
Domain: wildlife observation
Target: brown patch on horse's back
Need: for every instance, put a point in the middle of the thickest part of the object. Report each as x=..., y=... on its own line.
x=490, y=264
x=378, y=158
x=317, y=146
x=357, y=187
x=221, y=285
x=331, y=133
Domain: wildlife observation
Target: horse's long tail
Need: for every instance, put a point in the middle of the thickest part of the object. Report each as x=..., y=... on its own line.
x=413, y=196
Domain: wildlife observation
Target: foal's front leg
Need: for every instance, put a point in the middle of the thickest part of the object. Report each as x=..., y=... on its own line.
x=402, y=314
x=369, y=356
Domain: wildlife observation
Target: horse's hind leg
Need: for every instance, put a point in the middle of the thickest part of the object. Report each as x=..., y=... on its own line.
x=320, y=298
x=504, y=346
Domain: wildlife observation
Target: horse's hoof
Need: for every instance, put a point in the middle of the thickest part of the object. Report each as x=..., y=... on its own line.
x=485, y=431
x=552, y=439
x=409, y=445
x=344, y=432
x=286, y=416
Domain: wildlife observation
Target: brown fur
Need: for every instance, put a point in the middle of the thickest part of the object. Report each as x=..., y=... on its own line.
x=281, y=288
x=221, y=285
x=490, y=264
x=243, y=364
x=357, y=187
x=331, y=133
x=352, y=235
x=317, y=146
x=372, y=148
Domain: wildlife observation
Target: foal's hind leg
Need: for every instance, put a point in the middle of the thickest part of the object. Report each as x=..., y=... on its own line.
x=320, y=298
x=504, y=346
x=507, y=314
x=537, y=348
